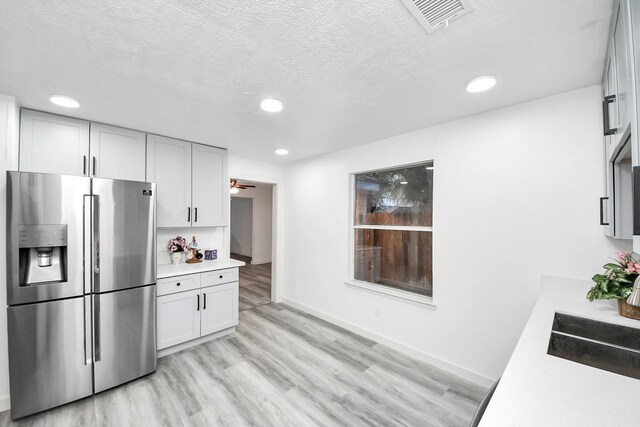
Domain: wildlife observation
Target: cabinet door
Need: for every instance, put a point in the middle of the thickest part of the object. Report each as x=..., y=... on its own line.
x=53, y=144
x=210, y=186
x=169, y=165
x=117, y=153
x=219, y=307
x=606, y=202
x=621, y=45
x=178, y=318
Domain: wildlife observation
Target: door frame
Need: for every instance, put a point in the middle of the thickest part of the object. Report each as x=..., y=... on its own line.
x=277, y=282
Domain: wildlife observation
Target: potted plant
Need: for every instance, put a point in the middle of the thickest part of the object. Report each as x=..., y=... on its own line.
x=175, y=247
x=617, y=283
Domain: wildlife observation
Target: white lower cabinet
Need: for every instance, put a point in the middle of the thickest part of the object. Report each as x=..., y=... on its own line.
x=219, y=308
x=185, y=313
x=178, y=318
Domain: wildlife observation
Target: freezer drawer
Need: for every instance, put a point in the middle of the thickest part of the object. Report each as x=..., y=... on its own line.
x=124, y=234
x=49, y=354
x=124, y=336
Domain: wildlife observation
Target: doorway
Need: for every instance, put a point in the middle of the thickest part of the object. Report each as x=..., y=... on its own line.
x=251, y=241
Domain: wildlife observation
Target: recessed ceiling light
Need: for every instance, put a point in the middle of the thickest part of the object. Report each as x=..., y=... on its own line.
x=403, y=182
x=64, y=101
x=282, y=152
x=271, y=105
x=480, y=84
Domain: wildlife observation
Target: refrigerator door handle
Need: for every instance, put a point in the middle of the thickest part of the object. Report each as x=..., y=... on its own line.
x=87, y=331
x=96, y=243
x=96, y=329
x=87, y=259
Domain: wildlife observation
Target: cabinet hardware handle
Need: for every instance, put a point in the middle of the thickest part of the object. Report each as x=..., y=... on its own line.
x=204, y=304
x=188, y=214
x=178, y=284
x=198, y=302
x=196, y=219
x=602, y=199
x=605, y=114
x=84, y=165
x=221, y=276
x=94, y=165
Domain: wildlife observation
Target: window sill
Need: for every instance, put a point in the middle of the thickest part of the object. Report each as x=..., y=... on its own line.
x=420, y=300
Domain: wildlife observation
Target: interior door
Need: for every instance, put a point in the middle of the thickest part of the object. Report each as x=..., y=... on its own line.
x=49, y=354
x=219, y=308
x=117, y=153
x=210, y=186
x=124, y=336
x=124, y=237
x=169, y=166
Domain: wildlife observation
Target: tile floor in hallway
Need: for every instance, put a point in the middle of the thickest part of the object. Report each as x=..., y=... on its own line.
x=282, y=367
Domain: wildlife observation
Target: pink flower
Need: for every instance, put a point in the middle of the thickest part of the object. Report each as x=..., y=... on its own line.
x=621, y=255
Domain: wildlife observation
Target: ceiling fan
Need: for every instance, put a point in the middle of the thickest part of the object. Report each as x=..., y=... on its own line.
x=234, y=184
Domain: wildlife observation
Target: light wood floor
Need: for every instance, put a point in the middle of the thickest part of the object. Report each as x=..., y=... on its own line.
x=282, y=367
x=255, y=283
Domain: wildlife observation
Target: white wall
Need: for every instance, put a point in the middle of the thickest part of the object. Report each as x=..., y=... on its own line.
x=241, y=220
x=515, y=196
x=8, y=160
x=262, y=221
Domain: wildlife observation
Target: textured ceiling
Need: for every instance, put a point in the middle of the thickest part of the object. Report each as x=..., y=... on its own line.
x=349, y=72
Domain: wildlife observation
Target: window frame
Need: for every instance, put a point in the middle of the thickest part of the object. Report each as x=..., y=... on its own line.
x=351, y=281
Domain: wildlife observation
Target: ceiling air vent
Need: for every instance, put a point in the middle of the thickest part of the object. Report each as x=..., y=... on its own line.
x=433, y=14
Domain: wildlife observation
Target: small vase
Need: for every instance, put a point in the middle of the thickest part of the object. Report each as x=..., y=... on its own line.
x=627, y=310
x=176, y=257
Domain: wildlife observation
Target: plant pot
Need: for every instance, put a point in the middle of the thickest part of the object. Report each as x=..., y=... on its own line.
x=627, y=310
x=176, y=257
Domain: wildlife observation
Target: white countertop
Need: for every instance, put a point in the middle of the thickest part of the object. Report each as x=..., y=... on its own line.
x=170, y=270
x=537, y=389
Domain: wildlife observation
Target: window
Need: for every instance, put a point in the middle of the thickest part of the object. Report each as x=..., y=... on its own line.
x=393, y=228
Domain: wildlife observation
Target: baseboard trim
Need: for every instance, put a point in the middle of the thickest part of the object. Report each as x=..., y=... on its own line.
x=264, y=261
x=454, y=369
x=185, y=345
x=5, y=403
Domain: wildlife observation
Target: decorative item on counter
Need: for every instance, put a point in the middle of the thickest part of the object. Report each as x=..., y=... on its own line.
x=617, y=283
x=192, y=257
x=210, y=254
x=175, y=247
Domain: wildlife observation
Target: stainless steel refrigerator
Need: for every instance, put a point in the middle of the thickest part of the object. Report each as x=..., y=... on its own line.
x=81, y=274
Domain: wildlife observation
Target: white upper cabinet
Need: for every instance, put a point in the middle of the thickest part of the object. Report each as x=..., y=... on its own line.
x=619, y=100
x=169, y=166
x=117, y=153
x=210, y=186
x=192, y=182
x=621, y=45
x=53, y=144
x=63, y=145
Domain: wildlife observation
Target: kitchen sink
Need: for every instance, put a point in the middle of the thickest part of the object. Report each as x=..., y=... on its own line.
x=613, y=348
